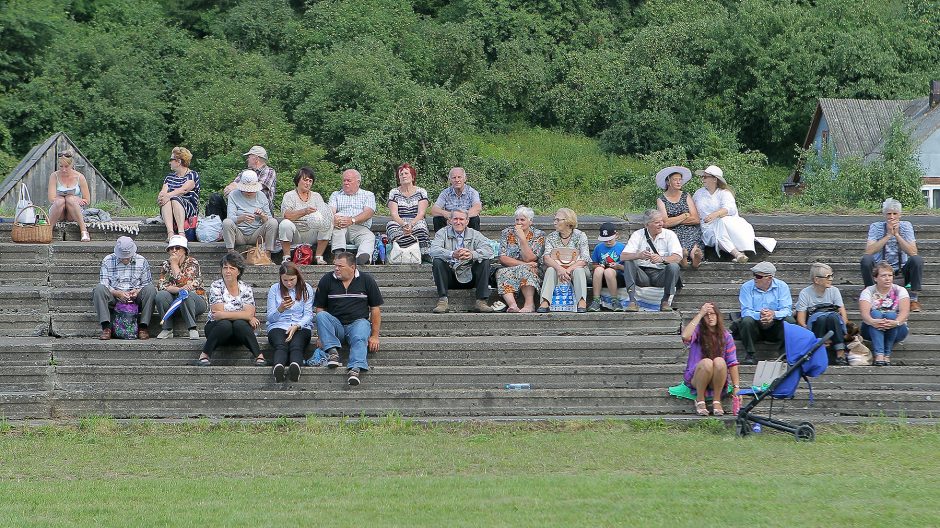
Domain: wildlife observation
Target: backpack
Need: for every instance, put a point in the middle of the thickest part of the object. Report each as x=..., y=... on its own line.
x=302, y=255
x=216, y=205
x=125, y=320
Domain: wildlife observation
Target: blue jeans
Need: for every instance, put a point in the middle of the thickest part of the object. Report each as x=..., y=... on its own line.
x=332, y=332
x=882, y=341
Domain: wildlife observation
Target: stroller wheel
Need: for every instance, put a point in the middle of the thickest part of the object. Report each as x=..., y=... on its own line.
x=807, y=424
x=741, y=428
x=805, y=433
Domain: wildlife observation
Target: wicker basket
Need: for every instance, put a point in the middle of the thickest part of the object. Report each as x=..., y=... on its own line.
x=33, y=233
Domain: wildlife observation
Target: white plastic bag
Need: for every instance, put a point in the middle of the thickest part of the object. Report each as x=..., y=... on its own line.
x=25, y=206
x=209, y=229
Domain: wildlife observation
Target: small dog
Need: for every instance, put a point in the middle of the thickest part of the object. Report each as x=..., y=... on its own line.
x=859, y=354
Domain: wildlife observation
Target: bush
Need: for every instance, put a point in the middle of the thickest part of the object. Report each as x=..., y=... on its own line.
x=853, y=182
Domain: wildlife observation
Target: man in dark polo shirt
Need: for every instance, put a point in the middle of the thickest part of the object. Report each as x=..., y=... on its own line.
x=346, y=301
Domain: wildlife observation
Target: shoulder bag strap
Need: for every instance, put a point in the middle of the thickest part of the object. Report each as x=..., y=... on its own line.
x=650, y=241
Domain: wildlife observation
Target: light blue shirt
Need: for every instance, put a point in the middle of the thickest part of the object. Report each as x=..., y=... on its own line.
x=890, y=252
x=776, y=298
x=300, y=314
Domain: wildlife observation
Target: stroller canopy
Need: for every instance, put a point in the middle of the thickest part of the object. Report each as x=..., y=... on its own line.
x=798, y=342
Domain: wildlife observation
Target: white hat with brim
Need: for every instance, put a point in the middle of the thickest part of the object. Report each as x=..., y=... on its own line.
x=713, y=170
x=257, y=150
x=248, y=181
x=664, y=174
x=178, y=241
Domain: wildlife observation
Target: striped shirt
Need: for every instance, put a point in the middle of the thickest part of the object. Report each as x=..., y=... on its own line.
x=125, y=277
x=174, y=181
x=353, y=204
x=408, y=205
x=348, y=304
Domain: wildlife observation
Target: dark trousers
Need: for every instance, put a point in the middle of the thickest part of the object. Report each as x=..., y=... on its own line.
x=750, y=331
x=444, y=278
x=830, y=321
x=228, y=332
x=913, y=271
x=440, y=222
x=286, y=352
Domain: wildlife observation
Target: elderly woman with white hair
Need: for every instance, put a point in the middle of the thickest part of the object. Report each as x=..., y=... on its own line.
x=820, y=309
x=248, y=216
x=68, y=193
x=566, y=259
x=893, y=241
x=520, y=249
x=721, y=225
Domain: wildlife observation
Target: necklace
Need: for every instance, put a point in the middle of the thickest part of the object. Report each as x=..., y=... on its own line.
x=564, y=238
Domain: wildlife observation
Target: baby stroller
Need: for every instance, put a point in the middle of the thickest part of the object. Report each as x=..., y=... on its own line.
x=806, y=357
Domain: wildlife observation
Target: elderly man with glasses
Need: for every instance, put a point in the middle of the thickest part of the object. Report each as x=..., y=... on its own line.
x=765, y=304
x=819, y=307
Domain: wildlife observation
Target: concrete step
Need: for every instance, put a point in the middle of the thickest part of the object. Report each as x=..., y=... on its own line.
x=83, y=324
x=25, y=324
x=376, y=401
x=26, y=378
x=25, y=405
x=516, y=350
x=34, y=351
x=185, y=378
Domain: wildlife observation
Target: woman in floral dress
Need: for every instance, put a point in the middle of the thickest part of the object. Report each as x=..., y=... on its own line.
x=520, y=249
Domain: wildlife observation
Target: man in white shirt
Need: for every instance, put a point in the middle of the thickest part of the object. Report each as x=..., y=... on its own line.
x=651, y=258
x=353, y=208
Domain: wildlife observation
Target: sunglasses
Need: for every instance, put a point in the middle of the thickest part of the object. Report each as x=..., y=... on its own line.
x=65, y=155
x=824, y=276
x=759, y=276
x=174, y=159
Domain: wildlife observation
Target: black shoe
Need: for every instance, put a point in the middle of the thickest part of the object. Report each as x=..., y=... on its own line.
x=353, y=378
x=426, y=259
x=749, y=360
x=293, y=372
x=842, y=361
x=279, y=373
x=363, y=259
x=332, y=358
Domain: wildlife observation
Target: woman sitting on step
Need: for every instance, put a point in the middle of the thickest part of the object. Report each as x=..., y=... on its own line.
x=520, y=250
x=680, y=214
x=180, y=272
x=179, y=197
x=721, y=225
x=713, y=360
x=566, y=258
x=232, y=318
x=68, y=193
x=289, y=321
x=884, y=307
x=820, y=309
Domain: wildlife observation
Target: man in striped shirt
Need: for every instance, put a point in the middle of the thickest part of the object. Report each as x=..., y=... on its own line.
x=258, y=161
x=353, y=208
x=348, y=307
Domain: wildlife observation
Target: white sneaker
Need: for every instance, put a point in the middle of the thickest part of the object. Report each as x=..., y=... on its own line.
x=194, y=334
x=320, y=261
x=165, y=334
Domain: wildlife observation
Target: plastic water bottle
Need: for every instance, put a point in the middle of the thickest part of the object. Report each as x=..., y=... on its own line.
x=518, y=386
x=756, y=428
x=735, y=405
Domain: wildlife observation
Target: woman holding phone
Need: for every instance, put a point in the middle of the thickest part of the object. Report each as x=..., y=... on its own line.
x=289, y=321
x=68, y=193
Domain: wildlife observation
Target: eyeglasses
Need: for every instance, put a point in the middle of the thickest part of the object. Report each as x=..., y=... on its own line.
x=559, y=220
x=174, y=159
x=759, y=276
x=65, y=155
x=829, y=277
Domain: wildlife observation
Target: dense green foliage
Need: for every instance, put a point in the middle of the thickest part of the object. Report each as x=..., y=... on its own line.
x=372, y=83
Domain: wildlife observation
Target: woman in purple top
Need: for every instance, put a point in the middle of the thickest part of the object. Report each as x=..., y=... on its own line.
x=712, y=359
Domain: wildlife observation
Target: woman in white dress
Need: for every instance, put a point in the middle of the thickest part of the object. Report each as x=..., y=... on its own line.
x=721, y=225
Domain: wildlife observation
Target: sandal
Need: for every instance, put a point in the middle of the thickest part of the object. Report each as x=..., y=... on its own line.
x=85, y=237
x=203, y=362
x=261, y=362
x=717, y=410
x=700, y=408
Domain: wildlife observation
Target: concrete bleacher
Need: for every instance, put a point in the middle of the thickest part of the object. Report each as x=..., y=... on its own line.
x=435, y=365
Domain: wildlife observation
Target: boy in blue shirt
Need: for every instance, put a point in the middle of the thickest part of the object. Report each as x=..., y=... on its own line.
x=607, y=268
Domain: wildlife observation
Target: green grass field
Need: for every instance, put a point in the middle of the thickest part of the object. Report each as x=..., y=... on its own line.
x=396, y=473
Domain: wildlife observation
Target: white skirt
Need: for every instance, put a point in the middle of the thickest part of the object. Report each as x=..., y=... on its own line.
x=733, y=232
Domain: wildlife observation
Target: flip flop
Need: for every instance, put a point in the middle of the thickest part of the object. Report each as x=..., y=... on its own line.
x=260, y=361
x=203, y=362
